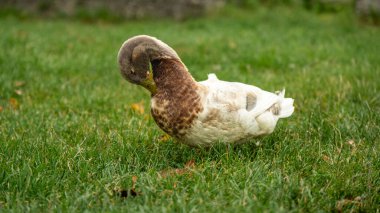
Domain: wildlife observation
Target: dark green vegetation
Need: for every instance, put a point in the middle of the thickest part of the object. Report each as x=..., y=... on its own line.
x=69, y=135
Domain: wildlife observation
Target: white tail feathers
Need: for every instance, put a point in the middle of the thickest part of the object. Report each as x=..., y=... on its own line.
x=286, y=105
x=212, y=77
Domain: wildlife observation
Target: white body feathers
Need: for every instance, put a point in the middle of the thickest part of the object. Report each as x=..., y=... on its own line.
x=234, y=112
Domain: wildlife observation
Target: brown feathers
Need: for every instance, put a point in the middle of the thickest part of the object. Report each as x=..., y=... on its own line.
x=176, y=103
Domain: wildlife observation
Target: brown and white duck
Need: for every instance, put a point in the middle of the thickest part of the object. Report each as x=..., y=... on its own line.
x=199, y=113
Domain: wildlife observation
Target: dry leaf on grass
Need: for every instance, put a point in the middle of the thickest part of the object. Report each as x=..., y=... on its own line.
x=326, y=158
x=190, y=164
x=164, y=138
x=351, y=143
x=183, y=171
x=138, y=107
x=1, y=108
x=18, y=92
x=19, y=83
x=134, y=180
x=356, y=201
x=14, y=103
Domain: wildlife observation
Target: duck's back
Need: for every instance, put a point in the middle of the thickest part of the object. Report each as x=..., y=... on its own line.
x=234, y=112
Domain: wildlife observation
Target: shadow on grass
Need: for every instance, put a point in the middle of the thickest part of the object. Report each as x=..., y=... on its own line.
x=176, y=155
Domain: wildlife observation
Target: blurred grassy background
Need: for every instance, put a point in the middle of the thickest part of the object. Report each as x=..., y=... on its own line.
x=72, y=130
x=119, y=10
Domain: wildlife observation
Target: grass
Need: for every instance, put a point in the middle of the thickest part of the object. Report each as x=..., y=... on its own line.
x=69, y=136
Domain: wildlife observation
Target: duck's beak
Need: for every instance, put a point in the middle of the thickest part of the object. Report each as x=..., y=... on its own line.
x=149, y=83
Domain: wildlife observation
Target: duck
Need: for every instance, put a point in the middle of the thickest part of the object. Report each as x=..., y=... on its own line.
x=199, y=114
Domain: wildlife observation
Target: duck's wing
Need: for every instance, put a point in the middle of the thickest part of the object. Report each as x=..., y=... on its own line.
x=247, y=105
x=233, y=96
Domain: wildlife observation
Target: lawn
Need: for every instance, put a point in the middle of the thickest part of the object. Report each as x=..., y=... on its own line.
x=74, y=134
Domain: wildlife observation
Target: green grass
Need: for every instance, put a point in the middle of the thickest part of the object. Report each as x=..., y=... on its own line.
x=71, y=137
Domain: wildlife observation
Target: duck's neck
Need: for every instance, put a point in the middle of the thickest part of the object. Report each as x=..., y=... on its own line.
x=170, y=75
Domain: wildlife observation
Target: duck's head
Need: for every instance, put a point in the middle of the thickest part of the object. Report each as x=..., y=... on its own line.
x=135, y=58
